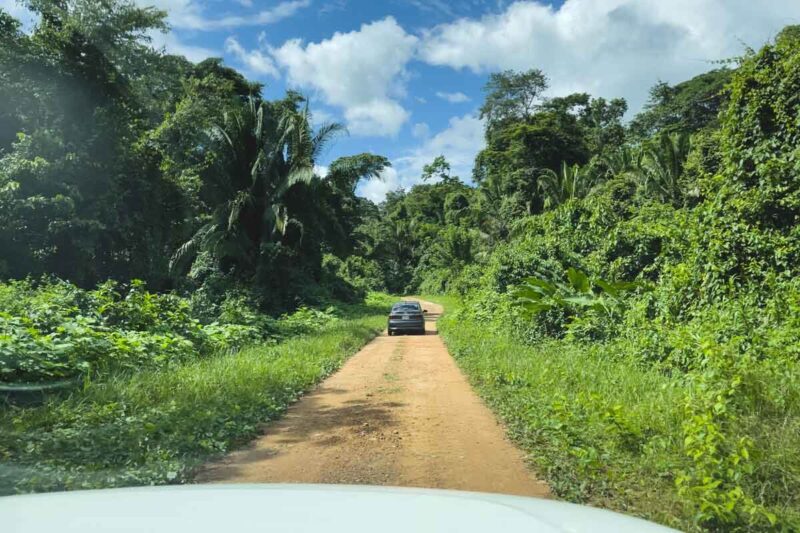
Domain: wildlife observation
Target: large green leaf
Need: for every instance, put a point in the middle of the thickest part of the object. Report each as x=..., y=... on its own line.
x=579, y=280
x=581, y=301
x=538, y=283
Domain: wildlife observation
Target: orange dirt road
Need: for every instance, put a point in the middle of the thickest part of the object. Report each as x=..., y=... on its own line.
x=398, y=413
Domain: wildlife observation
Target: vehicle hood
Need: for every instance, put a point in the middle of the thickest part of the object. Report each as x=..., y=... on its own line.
x=301, y=509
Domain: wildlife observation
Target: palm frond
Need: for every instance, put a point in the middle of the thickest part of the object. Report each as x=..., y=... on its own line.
x=326, y=133
x=235, y=207
x=191, y=247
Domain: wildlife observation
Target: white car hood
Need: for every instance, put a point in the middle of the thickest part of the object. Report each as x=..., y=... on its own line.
x=301, y=509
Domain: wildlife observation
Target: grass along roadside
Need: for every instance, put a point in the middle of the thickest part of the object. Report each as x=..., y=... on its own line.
x=606, y=430
x=603, y=429
x=599, y=431
x=156, y=427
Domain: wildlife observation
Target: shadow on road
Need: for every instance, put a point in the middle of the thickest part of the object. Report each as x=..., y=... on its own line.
x=326, y=426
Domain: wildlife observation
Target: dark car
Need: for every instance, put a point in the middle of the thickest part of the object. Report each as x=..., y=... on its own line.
x=407, y=317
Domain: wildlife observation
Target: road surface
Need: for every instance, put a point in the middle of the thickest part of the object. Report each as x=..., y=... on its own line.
x=399, y=413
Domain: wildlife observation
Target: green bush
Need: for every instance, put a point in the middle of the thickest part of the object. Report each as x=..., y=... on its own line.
x=52, y=329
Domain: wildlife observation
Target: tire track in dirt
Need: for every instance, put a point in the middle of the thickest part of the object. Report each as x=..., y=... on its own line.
x=399, y=413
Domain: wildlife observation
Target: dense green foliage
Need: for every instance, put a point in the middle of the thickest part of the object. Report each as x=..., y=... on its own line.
x=157, y=427
x=631, y=306
x=630, y=291
x=146, y=166
x=56, y=330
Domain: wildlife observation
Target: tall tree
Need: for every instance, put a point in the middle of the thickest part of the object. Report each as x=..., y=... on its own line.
x=439, y=169
x=88, y=198
x=270, y=148
x=512, y=96
x=689, y=106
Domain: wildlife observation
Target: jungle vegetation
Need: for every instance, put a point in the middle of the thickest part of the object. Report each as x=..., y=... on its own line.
x=624, y=293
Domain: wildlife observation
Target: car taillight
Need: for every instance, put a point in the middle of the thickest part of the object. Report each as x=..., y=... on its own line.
x=395, y=317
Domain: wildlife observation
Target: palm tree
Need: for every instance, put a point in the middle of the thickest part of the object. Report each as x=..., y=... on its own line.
x=663, y=167
x=569, y=183
x=626, y=160
x=268, y=149
x=491, y=210
x=346, y=172
x=657, y=167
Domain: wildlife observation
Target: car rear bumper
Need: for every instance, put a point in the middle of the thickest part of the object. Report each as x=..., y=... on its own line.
x=406, y=325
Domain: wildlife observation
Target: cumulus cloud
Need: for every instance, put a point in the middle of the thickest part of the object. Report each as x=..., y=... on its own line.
x=421, y=130
x=190, y=14
x=362, y=72
x=320, y=116
x=255, y=61
x=453, y=98
x=376, y=189
x=608, y=47
x=458, y=143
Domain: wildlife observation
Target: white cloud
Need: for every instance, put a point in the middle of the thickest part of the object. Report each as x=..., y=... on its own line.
x=363, y=72
x=421, y=130
x=458, y=143
x=255, y=60
x=333, y=5
x=608, y=47
x=380, y=117
x=376, y=189
x=321, y=116
x=434, y=6
x=453, y=98
x=190, y=14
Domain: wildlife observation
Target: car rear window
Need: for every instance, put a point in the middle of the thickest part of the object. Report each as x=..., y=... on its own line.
x=405, y=307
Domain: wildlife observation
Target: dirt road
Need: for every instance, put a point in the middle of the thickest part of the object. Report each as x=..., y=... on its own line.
x=397, y=413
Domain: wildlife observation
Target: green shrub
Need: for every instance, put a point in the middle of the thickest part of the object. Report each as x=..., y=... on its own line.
x=52, y=329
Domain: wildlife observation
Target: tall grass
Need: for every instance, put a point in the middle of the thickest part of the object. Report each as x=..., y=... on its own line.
x=157, y=427
x=603, y=428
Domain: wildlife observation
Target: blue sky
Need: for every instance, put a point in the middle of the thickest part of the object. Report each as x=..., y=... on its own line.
x=405, y=76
